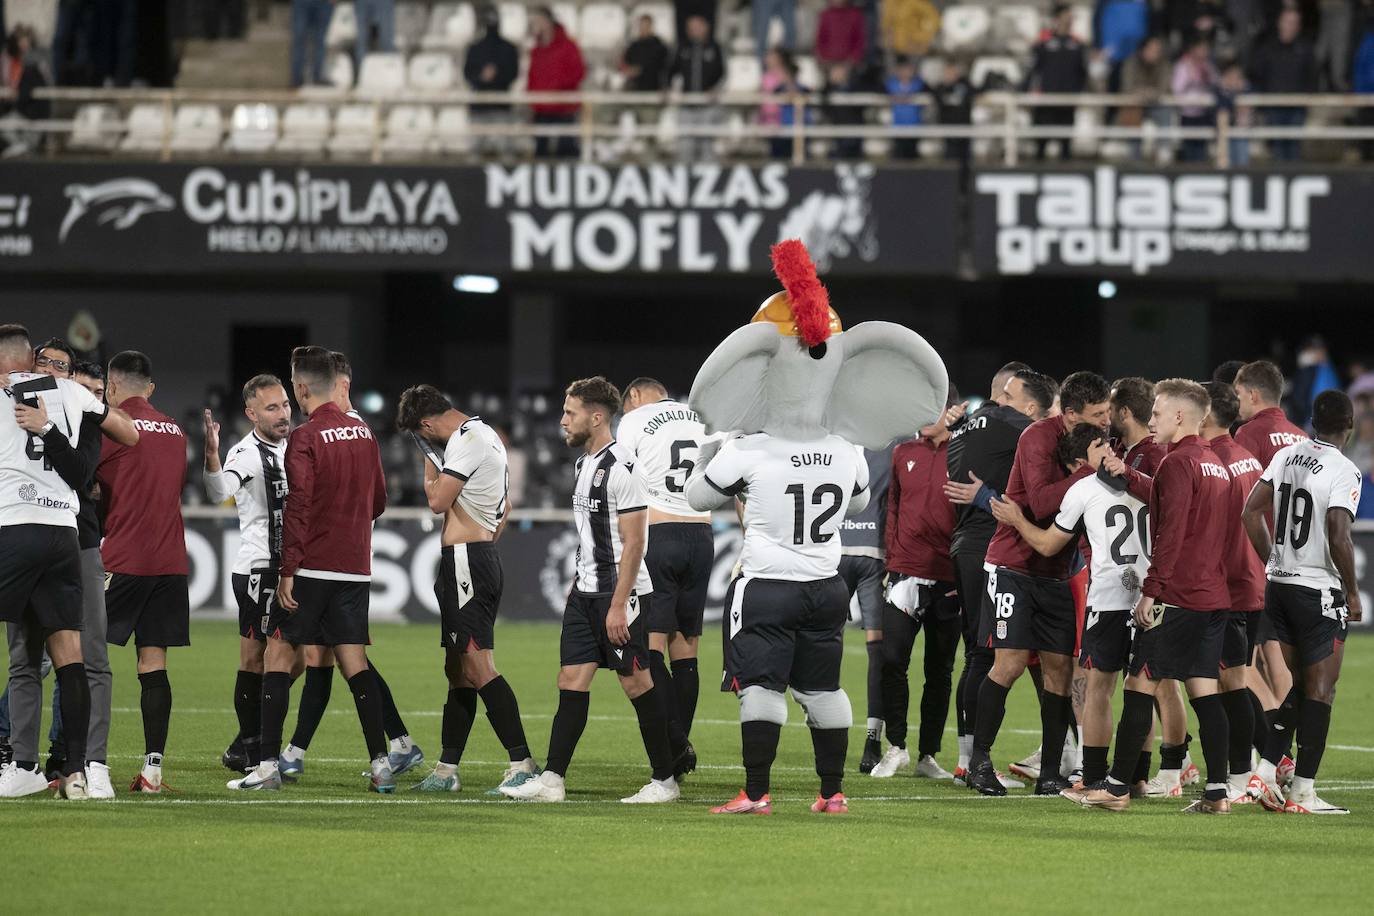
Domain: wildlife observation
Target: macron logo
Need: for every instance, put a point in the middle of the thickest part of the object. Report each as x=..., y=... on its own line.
x=1213, y=470
x=345, y=433
x=158, y=426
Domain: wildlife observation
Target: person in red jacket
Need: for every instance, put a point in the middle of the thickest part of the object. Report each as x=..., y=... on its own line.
x=841, y=35
x=555, y=66
x=1183, y=610
x=337, y=491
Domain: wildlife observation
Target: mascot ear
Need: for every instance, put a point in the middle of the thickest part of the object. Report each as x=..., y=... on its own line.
x=891, y=383
x=729, y=389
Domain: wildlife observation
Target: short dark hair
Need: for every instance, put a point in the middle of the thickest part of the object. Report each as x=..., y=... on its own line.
x=1332, y=413
x=341, y=365
x=315, y=367
x=57, y=343
x=133, y=365
x=598, y=391
x=1263, y=376
x=1081, y=389
x=1040, y=388
x=259, y=382
x=417, y=403
x=644, y=381
x=13, y=332
x=1225, y=403
x=1073, y=445
x=1136, y=395
x=1226, y=372
x=1013, y=367
x=89, y=369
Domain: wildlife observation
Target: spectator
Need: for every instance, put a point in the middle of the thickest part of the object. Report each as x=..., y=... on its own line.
x=909, y=26
x=114, y=37
x=1211, y=21
x=1232, y=84
x=73, y=62
x=781, y=147
x=309, y=25
x=21, y=74
x=1146, y=75
x=764, y=12
x=841, y=35
x=1361, y=452
x=1285, y=63
x=1194, y=74
x=775, y=67
x=380, y=14
x=645, y=62
x=491, y=65
x=224, y=18
x=700, y=66
x=1315, y=374
x=555, y=66
x=1058, y=65
x=1362, y=72
x=686, y=9
x=901, y=84
x=954, y=105
x=1119, y=28
x=840, y=81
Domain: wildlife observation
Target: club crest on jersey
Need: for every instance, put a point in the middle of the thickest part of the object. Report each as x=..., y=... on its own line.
x=598, y=477
x=1130, y=579
x=1001, y=629
x=910, y=465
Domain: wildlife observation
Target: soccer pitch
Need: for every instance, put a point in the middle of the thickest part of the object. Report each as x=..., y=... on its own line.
x=326, y=845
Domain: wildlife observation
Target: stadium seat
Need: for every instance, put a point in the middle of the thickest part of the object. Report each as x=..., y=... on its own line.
x=809, y=73
x=431, y=71
x=662, y=14
x=1016, y=28
x=808, y=21
x=409, y=129
x=451, y=130
x=197, y=128
x=932, y=70
x=383, y=74
x=964, y=27
x=411, y=22
x=147, y=123
x=514, y=24
x=305, y=129
x=252, y=128
x=95, y=127
x=453, y=26
x=1007, y=68
x=355, y=130
x=1082, y=28
x=601, y=26
x=743, y=73
x=567, y=15
x=343, y=26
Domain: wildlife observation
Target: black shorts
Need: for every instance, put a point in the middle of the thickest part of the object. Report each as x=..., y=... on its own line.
x=331, y=612
x=254, y=592
x=781, y=634
x=469, y=592
x=40, y=576
x=679, y=558
x=863, y=576
x=1182, y=644
x=1265, y=628
x=1106, y=640
x=584, y=640
x=971, y=580
x=1028, y=612
x=1311, y=620
x=1238, y=643
x=154, y=610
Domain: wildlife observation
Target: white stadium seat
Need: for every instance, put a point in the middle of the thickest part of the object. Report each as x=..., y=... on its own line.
x=355, y=130
x=147, y=123
x=809, y=73
x=1082, y=28
x=566, y=14
x=252, y=128
x=602, y=26
x=431, y=71
x=451, y=133
x=343, y=26
x=964, y=27
x=383, y=74
x=514, y=23
x=411, y=21
x=662, y=14
x=1007, y=67
x=305, y=129
x=409, y=129
x=95, y=127
x=743, y=73
x=197, y=128
x=453, y=26
x=1016, y=28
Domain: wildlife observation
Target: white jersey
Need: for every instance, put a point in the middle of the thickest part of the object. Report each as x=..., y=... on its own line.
x=606, y=488
x=1117, y=525
x=664, y=438
x=476, y=455
x=31, y=491
x=796, y=494
x=254, y=474
x=1309, y=479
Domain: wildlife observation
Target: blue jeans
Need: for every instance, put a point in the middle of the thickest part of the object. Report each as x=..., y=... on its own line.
x=764, y=11
x=55, y=729
x=309, y=25
x=382, y=14
x=1286, y=150
x=1239, y=152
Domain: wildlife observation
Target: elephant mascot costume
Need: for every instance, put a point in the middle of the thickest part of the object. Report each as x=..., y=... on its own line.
x=793, y=393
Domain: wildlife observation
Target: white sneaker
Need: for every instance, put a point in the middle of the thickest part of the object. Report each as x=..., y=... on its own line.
x=98, y=783
x=895, y=758
x=1165, y=784
x=1008, y=782
x=265, y=777
x=1069, y=760
x=1309, y=803
x=548, y=787
x=17, y=783
x=928, y=768
x=72, y=787
x=1028, y=767
x=656, y=792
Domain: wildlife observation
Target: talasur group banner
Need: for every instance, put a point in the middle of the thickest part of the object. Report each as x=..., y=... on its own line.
x=1295, y=223
x=676, y=218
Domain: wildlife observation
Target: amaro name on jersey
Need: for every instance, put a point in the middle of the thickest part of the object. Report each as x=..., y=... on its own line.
x=1142, y=221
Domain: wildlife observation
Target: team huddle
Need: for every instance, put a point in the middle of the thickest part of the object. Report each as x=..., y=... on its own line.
x=1160, y=533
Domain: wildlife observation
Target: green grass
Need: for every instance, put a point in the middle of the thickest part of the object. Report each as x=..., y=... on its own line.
x=327, y=845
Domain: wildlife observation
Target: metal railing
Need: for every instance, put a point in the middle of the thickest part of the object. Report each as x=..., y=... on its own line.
x=1001, y=121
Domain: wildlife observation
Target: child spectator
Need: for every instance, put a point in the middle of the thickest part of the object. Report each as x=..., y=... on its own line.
x=901, y=84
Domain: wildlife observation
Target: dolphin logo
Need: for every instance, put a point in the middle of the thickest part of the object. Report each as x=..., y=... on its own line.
x=121, y=201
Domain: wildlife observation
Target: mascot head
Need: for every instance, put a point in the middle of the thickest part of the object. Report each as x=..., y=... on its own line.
x=795, y=373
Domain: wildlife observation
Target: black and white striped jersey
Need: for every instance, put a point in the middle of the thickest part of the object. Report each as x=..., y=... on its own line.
x=254, y=474
x=606, y=488
x=31, y=491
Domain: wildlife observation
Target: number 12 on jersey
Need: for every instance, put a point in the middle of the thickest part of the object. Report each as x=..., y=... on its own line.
x=826, y=492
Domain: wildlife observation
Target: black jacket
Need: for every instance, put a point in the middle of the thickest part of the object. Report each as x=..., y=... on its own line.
x=76, y=466
x=491, y=48
x=650, y=55
x=1059, y=64
x=1279, y=67
x=701, y=66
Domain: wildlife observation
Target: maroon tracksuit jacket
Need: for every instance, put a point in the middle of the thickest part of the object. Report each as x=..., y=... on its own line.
x=1244, y=568
x=920, y=518
x=1191, y=528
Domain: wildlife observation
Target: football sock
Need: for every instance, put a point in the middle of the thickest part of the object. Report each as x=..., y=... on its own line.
x=1142, y=767
x=1240, y=720
x=976, y=668
x=1261, y=720
x=503, y=712
x=568, y=724
x=248, y=704
x=1171, y=756
x=875, y=689
x=456, y=726
x=319, y=682
x=992, y=706
x=830, y=745
x=760, y=746
x=1055, y=712
x=667, y=698
x=1094, y=764
x=965, y=750
x=653, y=728
x=368, y=701
x=896, y=697
x=1137, y=713
x=76, y=715
x=960, y=707
x=1214, y=734
x=1314, y=719
x=391, y=716
x=156, y=704
x=687, y=686
x=276, y=697
x=1284, y=724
